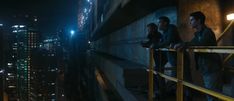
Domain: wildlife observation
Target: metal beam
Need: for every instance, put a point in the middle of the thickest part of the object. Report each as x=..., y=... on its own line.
x=225, y=30
x=228, y=58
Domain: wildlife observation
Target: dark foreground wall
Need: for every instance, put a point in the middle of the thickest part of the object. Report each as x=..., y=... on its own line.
x=117, y=42
x=124, y=44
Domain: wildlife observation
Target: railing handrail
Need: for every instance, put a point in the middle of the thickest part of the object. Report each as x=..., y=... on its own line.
x=195, y=87
x=179, y=79
x=211, y=47
x=204, y=49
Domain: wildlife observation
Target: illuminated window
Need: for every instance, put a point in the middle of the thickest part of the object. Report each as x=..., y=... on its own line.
x=35, y=19
x=21, y=26
x=11, y=86
x=15, y=26
x=9, y=64
x=9, y=74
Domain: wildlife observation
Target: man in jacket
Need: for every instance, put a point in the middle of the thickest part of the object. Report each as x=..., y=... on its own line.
x=209, y=64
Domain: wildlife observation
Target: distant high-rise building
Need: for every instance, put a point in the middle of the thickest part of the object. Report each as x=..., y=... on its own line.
x=1, y=63
x=47, y=63
x=23, y=39
x=10, y=66
x=34, y=67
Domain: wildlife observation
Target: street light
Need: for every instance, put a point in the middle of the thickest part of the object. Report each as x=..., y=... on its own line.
x=72, y=32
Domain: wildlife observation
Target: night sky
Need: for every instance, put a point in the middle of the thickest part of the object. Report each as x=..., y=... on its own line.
x=52, y=14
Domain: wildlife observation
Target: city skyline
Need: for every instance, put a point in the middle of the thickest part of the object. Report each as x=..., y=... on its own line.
x=53, y=14
x=31, y=63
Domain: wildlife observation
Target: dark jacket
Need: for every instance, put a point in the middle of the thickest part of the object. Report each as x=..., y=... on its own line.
x=206, y=62
x=169, y=36
x=153, y=38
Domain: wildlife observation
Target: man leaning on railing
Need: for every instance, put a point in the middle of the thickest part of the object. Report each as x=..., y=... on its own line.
x=154, y=37
x=209, y=64
x=170, y=35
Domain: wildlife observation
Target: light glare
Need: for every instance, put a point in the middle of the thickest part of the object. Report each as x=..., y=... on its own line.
x=230, y=16
x=72, y=32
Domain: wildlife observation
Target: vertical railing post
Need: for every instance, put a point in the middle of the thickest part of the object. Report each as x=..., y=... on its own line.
x=151, y=75
x=180, y=62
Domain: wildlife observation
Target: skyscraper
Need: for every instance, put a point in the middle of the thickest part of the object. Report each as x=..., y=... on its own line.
x=1, y=63
x=47, y=64
x=23, y=39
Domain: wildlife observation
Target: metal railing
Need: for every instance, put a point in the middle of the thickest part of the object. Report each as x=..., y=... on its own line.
x=180, y=62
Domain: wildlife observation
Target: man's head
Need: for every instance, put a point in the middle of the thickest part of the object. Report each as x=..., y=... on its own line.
x=152, y=27
x=197, y=19
x=163, y=22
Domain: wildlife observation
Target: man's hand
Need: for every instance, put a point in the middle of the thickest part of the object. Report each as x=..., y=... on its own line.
x=179, y=46
x=171, y=46
x=145, y=44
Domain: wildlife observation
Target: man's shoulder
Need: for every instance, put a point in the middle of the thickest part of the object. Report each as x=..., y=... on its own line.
x=172, y=26
x=157, y=34
x=208, y=30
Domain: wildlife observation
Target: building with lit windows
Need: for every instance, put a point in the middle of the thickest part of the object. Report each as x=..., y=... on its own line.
x=26, y=41
x=46, y=72
x=1, y=62
x=10, y=50
x=23, y=40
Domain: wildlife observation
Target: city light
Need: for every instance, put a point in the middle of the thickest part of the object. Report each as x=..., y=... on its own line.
x=21, y=26
x=39, y=94
x=9, y=74
x=1, y=24
x=48, y=40
x=72, y=32
x=2, y=71
x=230, y=16
x=15, y=31
x=9, y=64
x=85, y=10
x=15, y=26
x=84, y=13
x=35, y=19
x=11, y=86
